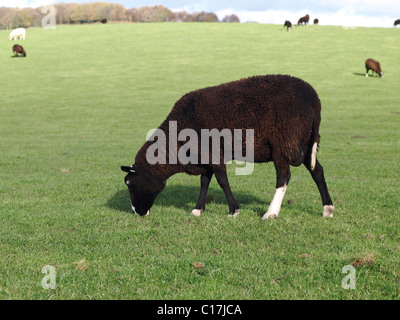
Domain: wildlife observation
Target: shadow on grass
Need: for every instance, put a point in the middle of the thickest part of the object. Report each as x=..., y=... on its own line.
x=363, y=75
x=185, y=197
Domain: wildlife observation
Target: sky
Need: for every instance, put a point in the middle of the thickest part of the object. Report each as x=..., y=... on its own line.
x=367, y=13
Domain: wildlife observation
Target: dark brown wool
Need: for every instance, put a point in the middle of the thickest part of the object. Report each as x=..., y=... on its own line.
x=288, y=25
x=271, y=105
x=18, y=49
x=283, y=111
x=397, y=22
x=373, y=65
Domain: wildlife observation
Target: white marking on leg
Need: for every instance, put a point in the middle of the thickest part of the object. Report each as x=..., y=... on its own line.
x=366, y=74
x=328, y=211
x=275, y=206
x=196, y=212
x=314, y=156
x=235, y=214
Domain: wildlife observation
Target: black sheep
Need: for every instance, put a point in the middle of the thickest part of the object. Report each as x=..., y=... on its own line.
x=288, y=25
x=284, y=113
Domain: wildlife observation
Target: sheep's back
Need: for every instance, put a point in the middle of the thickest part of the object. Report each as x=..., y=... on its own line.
x=254, y=103
x=279, y=108
x=373, y=64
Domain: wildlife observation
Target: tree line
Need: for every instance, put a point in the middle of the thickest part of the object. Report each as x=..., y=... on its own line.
x=72, y=13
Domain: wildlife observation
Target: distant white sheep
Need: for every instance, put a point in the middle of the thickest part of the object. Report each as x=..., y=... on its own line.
x=18, y=34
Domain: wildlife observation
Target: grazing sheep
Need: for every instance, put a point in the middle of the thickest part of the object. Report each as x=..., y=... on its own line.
x=304, y=20
x=373, y=65
x=316, y=21
x=17, y=34
x=103, y=21
x=284, y=113
x=397, y=22
x=288, y=25
x=18, y=49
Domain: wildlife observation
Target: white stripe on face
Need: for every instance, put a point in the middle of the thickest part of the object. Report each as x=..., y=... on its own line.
x=134, y=210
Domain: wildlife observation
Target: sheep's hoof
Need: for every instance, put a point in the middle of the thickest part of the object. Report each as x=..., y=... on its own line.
x=197, y=212
x=235, y=214
x=269, y=215
x=328, y=211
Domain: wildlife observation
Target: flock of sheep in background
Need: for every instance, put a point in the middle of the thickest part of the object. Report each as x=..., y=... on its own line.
x=370, y=64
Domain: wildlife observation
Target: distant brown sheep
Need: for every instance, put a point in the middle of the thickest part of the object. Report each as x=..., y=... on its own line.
x=397, y=22
x=373, y=65
x=103, y=21
x=304, y=20
x=18, y=49
x=316, y=21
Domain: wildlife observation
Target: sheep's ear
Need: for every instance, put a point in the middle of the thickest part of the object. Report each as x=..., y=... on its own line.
x=127, y=169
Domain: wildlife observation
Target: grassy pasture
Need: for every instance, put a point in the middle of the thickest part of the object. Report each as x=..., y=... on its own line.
x=79, y=106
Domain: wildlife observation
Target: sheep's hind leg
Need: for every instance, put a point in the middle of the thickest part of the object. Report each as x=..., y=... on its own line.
x=223, y=182
x=201, y=202
x=317, y=174
x=282, y=180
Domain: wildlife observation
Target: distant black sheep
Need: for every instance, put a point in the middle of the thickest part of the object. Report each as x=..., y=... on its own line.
x=397, y=22
x=18, y=49
x=316, y=21
x=103, y=21
x=288, y=25
x=373, y=65
x=284, y=113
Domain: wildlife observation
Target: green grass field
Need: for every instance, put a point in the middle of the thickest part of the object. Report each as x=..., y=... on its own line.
x=79, y=106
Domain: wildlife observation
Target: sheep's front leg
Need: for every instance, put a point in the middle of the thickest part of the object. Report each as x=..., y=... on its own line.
x=201, y=202
x=282, y=180
x=223, y=182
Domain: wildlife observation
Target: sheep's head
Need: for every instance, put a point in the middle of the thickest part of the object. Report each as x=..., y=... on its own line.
x=143, y=188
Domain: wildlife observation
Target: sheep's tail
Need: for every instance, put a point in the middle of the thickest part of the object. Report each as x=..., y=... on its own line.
x=315, y=137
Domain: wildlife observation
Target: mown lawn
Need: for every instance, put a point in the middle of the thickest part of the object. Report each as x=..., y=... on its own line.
x=79, y=106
